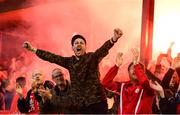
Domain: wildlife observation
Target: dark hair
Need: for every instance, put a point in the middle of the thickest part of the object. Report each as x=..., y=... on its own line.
x=76, y=37
x=132, y=64
x=19, y=79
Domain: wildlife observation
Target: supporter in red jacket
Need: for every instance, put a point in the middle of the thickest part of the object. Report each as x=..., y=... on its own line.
x=135, y=95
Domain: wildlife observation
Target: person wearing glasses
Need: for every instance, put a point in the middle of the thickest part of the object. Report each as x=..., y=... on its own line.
x=56, y=101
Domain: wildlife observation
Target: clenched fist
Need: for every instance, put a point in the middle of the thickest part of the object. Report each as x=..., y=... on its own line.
x=29, y=47
x=117, y=34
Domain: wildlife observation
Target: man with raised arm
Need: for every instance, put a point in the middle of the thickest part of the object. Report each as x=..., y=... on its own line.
x=86, y=90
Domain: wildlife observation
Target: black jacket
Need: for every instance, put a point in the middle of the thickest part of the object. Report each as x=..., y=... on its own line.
x=168, y=104
x=86, y=88
x=60, y=102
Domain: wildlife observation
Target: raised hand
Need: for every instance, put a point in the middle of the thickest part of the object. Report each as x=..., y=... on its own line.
x=136, y=55
x=117, y=34
x=119, y=59
x=45, y=94
x=157, y=87
x=175, y=62
x=29, y=47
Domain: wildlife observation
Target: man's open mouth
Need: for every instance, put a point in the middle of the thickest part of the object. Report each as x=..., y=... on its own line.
x=78, y=49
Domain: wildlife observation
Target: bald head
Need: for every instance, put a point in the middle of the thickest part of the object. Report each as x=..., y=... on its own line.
x=37, y=75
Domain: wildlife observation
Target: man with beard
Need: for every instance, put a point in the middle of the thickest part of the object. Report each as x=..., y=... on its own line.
x=56, y=101
x=87, y=93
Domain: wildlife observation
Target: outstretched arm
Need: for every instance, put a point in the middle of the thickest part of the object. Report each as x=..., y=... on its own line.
x=108, y=79
x=29, y=47
x=117, y=34
x=103, y=50
x=48, y=56
x=151, y=76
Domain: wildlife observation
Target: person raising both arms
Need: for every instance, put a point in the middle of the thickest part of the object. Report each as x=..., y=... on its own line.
x=87, y=93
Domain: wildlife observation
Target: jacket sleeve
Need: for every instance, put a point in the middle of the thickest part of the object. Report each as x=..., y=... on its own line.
x=103, y=50
x=167, y=78
x=108, y=79
x=23, y=104
x=142, y=78
x=152, y=77
x=53, y=58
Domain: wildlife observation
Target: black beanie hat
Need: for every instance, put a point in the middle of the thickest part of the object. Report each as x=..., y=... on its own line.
x=77, y=36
